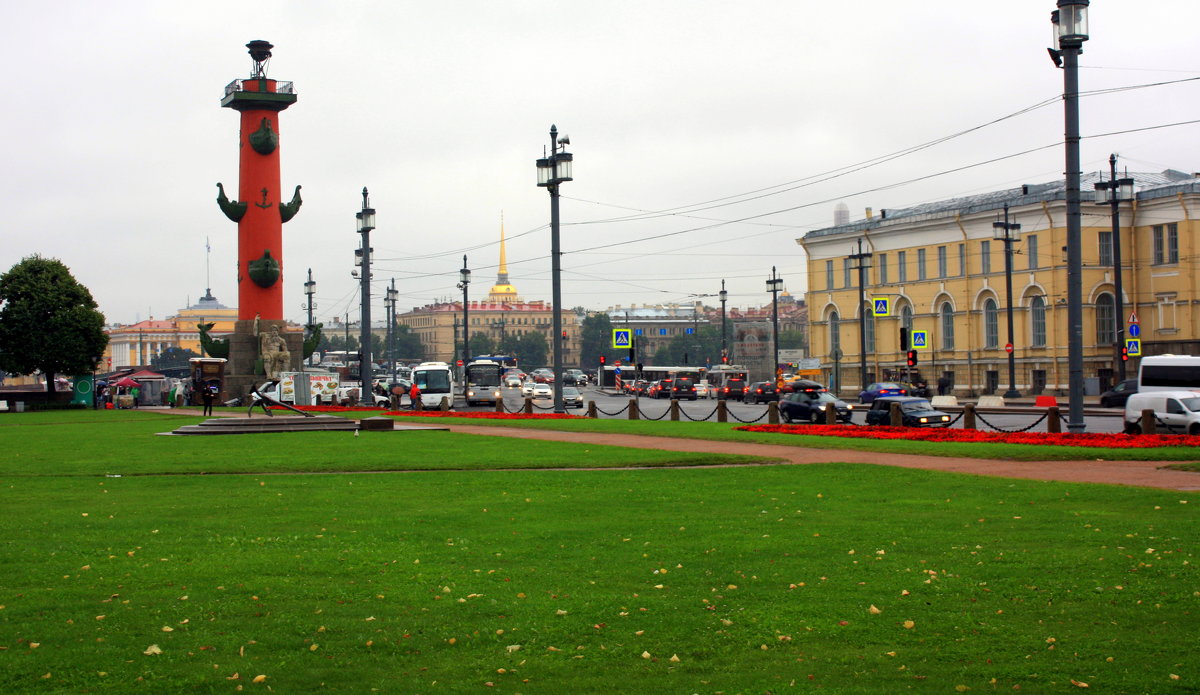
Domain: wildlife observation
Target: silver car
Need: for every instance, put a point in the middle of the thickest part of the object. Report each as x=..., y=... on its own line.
x=572, y=398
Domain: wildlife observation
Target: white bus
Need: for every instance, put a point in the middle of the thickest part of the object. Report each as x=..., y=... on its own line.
x=1169, y=373
x=435, y=380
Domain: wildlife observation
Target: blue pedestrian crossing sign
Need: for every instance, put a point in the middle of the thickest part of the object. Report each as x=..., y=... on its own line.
x=883, y=306
x=622, y=338
x=920, y=340
x=1133, y=347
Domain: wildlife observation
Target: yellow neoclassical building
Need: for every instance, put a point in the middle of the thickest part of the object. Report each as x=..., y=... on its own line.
x=941, y=268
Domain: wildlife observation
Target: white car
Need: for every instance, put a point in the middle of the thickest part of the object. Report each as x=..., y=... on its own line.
x=542, y=391
x=527, y=388
x=512, y=381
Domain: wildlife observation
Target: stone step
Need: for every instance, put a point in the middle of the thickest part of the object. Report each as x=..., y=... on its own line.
x=259, y=425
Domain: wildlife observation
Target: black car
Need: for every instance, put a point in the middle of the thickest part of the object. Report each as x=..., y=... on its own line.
x=1117, y=395
x=810, y=406
x=734, y=389
x=916, y=412
x=683, y=389
x=761, y=392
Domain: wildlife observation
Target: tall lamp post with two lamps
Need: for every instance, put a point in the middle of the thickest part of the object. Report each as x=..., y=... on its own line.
x=774, y=286
x=366, y=222
x=1114, y=192
x=724, y=349
x=464, y=282
x=1003, y=231
x=553, y=170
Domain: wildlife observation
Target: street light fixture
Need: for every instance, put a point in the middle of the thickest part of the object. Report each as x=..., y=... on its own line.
x=724, y=350
x=864, y=262
x=1003, y=231
x=774, y=286
x=464, y=281
x=1114, y=192
x=1070, y=22
x=366, y=222
x=390, y=302
x=553, y=170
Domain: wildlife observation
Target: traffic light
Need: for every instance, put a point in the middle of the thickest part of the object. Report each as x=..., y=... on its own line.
x=603, y=359
x=912, y=358
x=904, y=344
x=564, y=336
x=1124, y=354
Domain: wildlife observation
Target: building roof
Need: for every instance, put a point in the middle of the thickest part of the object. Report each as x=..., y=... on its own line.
x=1149, y=185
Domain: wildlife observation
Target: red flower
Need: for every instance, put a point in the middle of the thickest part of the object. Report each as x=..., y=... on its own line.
x=482, y=415
x=944, y=434
x=326, y=408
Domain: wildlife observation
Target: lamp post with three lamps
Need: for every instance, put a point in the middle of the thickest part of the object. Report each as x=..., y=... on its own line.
x=1114, y=192
x=553, y=170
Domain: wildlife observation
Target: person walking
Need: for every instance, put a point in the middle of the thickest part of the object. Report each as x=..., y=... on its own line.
x=207, y=397
x=414, y=397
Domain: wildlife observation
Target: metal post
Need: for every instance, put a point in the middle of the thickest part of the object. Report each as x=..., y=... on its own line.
x=556, y=293
x=724, y=351
x=464, y=284
x=773, y=286
x=366, y=375
x=1070, y=58
x=1011, y=347
x=862, y=258
x=1116, y=255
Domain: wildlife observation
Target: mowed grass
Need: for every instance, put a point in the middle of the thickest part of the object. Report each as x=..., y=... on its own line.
x=752, y=579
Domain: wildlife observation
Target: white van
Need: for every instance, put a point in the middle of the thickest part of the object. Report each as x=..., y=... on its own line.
x=1176, y=412
x=1169, y=373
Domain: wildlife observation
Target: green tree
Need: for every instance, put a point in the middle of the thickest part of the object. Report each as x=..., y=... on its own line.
x=48, y=321
x=172, y=357
x=792, y=340
x=481, y=344
x=595, y=337
x=531, y=350
x=408, y=344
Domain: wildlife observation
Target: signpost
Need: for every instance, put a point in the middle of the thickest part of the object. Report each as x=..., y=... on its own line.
x=1133, y=347
x=920, y=340
x=622, y=338
x=883, y=306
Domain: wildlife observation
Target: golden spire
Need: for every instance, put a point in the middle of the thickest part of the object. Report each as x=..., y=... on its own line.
x=502, y=276
x=502, y=292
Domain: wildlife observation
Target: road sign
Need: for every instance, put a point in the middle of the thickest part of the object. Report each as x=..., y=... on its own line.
x=1134, y=330
x=883, y=306
x=920, y=340
x=1133, y=347
x=622, y=338
x=617, y=371
x=1008, y=347
x=1133, y=317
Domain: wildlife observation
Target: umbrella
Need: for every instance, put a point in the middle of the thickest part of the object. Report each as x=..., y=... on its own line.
x=126, y=382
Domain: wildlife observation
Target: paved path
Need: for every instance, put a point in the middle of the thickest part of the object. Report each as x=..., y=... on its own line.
x=1139, y=473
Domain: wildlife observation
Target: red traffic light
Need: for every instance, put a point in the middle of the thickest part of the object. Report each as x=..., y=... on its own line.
x=603, y=359
x=912, y=358
x=1124, y=354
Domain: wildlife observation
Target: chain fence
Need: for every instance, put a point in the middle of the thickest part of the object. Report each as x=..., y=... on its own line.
x=699, y=419
x=980, y=417
x=605, y=412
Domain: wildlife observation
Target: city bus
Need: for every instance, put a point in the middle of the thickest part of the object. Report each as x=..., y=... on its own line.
x=483, y=377
x=435, y=380
x=1169, y=373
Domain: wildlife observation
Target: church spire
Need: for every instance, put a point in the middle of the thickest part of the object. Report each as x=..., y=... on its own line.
x=502, y=276
x=503, y=292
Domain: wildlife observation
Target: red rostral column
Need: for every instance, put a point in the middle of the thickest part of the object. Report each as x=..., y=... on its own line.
x=259, y=211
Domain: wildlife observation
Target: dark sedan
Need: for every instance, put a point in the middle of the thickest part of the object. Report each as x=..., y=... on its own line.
x=761, y=392
x=883, y=388
x=916, y=412
x=1117, y=395
x=809, y=406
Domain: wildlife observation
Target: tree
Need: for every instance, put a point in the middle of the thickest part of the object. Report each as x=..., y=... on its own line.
x=792, y=340
x=48, y=321
x=481, y=344
x=408, y=344
x=595, y=339
x=172, y=357
x=530, y=350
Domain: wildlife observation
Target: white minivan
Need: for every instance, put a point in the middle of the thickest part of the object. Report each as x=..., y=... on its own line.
x=1176, y=412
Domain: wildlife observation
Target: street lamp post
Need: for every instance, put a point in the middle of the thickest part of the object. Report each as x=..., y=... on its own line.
x=1070, y=31
x=310, y=290
x=1114, y=192
x=366, y=222
x=864, y=262
x=390, y=302
x=464, y=281
x=553, y=170
x=774, y=285
x=724, y=350
x=1003, y=231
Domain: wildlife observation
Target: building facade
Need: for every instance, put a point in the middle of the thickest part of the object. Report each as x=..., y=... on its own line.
x=138, y=343
x=942, y=271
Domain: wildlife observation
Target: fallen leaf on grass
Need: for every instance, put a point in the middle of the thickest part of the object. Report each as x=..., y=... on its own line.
x=259, y=678
x=908, y=624
x=874, y=610
x=152, y=650
x=1079, y=684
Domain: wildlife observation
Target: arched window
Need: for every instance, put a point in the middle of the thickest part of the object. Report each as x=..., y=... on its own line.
x=947, y=314
x=906, y=317
x=1037, y=315
x=835, y=333
x=1106, y=320
x=868, y=310
x=991, y=324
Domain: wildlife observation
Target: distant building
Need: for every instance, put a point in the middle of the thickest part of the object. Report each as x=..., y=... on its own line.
x=137, y=344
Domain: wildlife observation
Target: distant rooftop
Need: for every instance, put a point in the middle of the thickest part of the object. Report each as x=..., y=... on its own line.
x=1149, y=185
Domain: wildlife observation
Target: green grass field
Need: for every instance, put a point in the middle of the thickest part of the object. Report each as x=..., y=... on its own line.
x=851, y=578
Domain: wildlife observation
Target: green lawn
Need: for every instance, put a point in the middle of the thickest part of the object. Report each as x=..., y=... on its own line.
x=710, y=580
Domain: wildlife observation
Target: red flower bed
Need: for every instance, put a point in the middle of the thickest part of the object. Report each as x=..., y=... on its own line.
x=327, y=408
x=944, y=434
x=482, y=415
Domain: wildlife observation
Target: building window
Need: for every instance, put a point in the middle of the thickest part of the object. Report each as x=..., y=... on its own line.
x=921, y=264
x=902, y=266
x=846, y=264
x=941, y=255
x=1031, y=249
x=868, y=310
x=1166, y=313
x=962, y=260
x=829, y=275
x=1037, y=314
x=1106, y=323
x=883, y=278
x=1166, y=243
x=1105, y=242
x=835, y=335
x=947, y=313
x=985, y=257
x=991, y=324
x=906, y=317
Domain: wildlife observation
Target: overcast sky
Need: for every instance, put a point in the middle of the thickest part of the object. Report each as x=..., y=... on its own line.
x=114, y=137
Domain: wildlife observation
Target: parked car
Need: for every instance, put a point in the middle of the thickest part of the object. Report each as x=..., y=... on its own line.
x=572, y=398
x=1175, y=412
x=542, y=391
x=734, y=390
x=883, y=388
x=1119, y=394
x=915, y=412
x=810, y=406
x=683, y=390
x=761, y=392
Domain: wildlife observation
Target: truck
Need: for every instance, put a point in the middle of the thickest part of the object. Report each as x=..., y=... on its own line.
x=323, y=387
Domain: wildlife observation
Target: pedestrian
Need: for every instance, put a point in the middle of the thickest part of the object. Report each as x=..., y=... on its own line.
x=135, y=392
x=207, y=396
x=414, y=397
x=943, y=385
